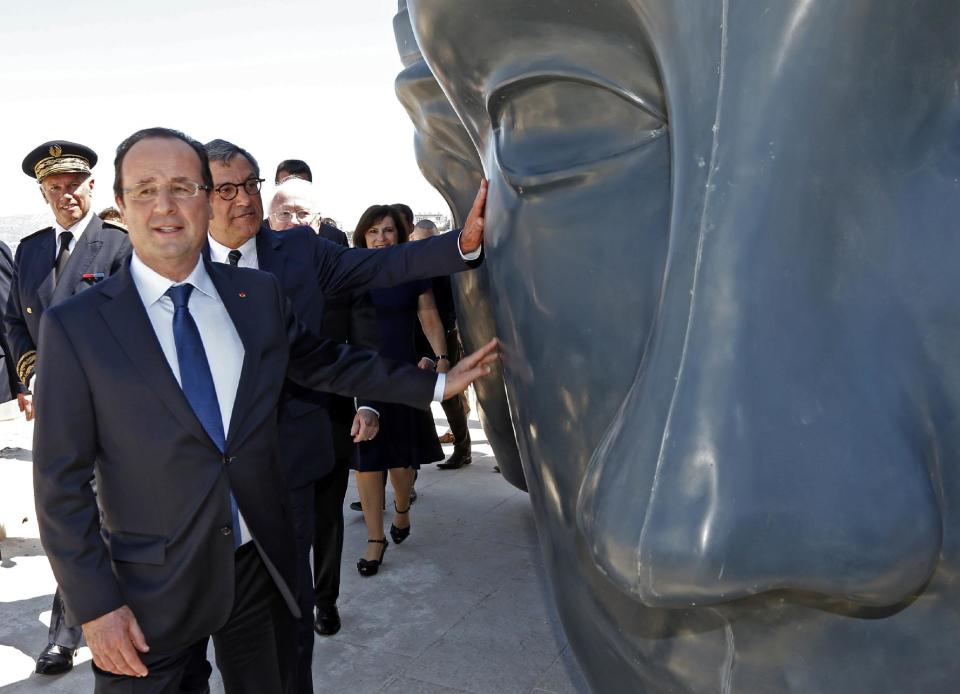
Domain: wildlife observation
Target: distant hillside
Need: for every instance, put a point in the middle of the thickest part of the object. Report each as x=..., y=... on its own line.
x=12, y=229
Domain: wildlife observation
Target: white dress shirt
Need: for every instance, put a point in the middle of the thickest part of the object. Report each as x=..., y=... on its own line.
x=217, y=332
x=76, y=229
x=248, y=252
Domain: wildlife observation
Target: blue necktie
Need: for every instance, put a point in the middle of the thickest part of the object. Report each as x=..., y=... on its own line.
x=196, y=379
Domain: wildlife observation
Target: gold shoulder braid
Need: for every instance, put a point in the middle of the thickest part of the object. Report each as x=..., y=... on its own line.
x=26, y=366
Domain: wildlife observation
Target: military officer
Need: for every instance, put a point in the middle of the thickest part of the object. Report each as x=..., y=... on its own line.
x=51, y=265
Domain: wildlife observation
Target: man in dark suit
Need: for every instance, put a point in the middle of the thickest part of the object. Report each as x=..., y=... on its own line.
x=310, y=271
x=195, y=538
x=51, y=265
x=9, y=383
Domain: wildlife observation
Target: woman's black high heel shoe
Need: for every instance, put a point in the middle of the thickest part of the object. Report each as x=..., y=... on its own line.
x=399, y=534
x=370, y=567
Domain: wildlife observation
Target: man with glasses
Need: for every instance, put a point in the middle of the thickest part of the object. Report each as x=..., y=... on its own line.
x=293, y=204
x=311, y=271
x=51, y=265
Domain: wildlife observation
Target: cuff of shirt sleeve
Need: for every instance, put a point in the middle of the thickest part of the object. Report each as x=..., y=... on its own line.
x=473, y=255
x=438, y=389
x=367, y=407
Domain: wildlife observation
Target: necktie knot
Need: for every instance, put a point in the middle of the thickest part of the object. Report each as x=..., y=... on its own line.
x=180, y=294
x=65, y=238
x=233, y=257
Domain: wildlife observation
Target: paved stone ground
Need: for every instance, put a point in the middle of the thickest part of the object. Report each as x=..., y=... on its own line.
x=461, y=606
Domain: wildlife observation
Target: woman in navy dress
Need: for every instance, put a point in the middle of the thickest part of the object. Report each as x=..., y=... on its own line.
x=407, y=437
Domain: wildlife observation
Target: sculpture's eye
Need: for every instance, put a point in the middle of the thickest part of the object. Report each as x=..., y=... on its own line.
x=549, y=125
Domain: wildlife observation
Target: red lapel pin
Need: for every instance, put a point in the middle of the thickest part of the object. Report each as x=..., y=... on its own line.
x=243, y=295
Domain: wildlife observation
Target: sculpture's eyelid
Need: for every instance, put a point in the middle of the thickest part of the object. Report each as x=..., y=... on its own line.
x=500, y=95
x=549, y=129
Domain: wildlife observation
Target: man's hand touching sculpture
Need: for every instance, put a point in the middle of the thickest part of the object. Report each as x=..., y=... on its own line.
x=472, y=234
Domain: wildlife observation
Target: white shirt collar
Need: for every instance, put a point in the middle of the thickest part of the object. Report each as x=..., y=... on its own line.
x=218, y=252
x=152, y=286
x=77, y=228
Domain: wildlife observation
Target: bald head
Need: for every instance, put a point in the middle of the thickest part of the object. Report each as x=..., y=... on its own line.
x=293, y=204
x=423, y=229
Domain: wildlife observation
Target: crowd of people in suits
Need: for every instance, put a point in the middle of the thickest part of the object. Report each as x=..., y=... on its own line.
x=205, y=377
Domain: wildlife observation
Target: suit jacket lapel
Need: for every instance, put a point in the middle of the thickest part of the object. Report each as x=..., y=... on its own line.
x=128, y=321
x=81, y=258
x=232, y=293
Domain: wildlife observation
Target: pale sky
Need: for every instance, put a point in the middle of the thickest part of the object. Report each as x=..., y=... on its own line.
x=310, y=79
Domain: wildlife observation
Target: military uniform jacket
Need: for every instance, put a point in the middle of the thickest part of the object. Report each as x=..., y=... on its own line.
x=101, y=248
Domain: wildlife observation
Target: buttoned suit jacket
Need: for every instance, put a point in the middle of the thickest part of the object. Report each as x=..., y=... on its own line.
x=108, y=404
x=102, y=248
x=311, y=270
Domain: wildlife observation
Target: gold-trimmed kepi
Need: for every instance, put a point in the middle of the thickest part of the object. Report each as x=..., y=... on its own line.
x=58, y=156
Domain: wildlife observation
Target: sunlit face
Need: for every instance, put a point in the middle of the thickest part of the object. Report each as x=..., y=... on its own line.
x=722, y=264
x=69, y=196
x=167, y=232
x=382, y=234
x=238, y=220
x=287, y=212
x=419, y=233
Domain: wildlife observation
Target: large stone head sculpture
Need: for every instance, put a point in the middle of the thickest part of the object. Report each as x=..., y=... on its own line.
x=722, y=254
x=448, y=159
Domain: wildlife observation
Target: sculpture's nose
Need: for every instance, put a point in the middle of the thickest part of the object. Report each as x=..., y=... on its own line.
x=791, y=451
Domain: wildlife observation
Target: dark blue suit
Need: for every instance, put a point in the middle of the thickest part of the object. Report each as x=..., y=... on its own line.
x=163, y=546
x=312, y=271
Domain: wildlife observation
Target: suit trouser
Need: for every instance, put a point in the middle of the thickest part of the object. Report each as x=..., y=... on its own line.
x=302, y=505
x=60, y=633
x=250, y=649
x=328, y=514
x=454, y=408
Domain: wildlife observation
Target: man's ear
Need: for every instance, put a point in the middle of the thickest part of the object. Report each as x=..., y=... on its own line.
x=43, y=193
x=120, y=206
x=90, y=183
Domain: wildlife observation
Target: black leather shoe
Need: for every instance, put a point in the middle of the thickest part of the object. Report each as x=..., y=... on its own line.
x=413, y=496
x=327, y=622
x=356, y=506
x=55, y=660
x=456, y=461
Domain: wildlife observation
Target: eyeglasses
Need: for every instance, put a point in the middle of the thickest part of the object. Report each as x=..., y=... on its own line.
x=146, y=192
x=287, y=216
x=228, y=191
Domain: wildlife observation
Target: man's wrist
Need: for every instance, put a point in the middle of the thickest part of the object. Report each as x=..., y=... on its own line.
x=468, y=256
x=367, y=407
